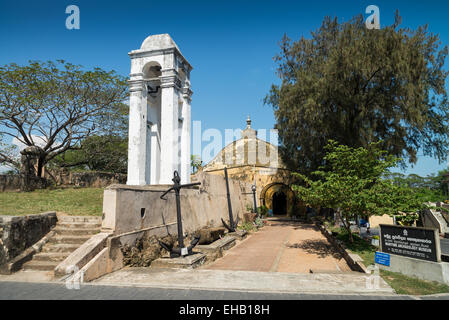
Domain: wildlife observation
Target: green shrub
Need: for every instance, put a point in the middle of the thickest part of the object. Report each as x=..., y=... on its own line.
x=258, y=222
x=247, y=226
x=263, y=211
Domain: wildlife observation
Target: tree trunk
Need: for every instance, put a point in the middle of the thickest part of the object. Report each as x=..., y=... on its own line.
x=347, y=226
x=40, y=167
x=351, y=238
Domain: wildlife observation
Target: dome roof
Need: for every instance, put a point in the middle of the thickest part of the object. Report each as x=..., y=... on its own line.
x=245, y=152
x=158, y=42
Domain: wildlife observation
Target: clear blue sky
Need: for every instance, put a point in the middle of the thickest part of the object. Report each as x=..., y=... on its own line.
x=230, y=44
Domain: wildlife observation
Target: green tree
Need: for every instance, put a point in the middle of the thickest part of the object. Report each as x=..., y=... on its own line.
x=52, y=107
x=352, y=182
x=358, y=86
x=9, y=155
x=442, y=179
x=100, y=153
x=430, y=189
x=195, y=163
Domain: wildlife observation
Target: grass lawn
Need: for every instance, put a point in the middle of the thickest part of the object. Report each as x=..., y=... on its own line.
x=412, y=286
x=73, y=201
x=400, y=283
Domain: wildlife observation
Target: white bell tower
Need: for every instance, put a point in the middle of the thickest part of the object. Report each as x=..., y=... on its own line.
x=159, y=113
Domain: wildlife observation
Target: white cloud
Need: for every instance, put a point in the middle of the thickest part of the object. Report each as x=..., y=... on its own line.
x=38, y=141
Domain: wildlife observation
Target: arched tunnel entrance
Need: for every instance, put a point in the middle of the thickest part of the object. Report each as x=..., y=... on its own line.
x=279, y=203
x=278, y=198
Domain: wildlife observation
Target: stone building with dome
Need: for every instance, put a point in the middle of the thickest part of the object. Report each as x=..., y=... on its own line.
x=256, y=162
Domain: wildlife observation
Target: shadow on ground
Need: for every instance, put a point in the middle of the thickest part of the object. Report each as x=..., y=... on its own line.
x=318, y=247
x=306, y=227
x=297, y=225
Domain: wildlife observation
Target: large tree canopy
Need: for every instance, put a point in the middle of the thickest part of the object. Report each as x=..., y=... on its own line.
x=51, y=107
x=107, y=153
x=353, y=182
x=358, y=86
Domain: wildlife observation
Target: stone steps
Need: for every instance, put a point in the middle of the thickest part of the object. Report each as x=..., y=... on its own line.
x=69, y=239
x=76, y=225
x=51, y=256
x=75, y=231
x=79, y=219
x=40, y=265
x=61, y=247
x=69, y=234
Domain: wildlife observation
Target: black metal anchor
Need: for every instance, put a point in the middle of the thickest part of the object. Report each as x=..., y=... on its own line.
x=233, y=225
x=181, y=250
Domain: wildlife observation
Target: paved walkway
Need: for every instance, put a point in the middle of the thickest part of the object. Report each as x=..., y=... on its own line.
x=283, y=246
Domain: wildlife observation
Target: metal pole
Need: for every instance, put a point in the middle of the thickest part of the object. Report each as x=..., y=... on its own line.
x=231, y=218
x=255, y=203
x=181, y=250
x=178, y=214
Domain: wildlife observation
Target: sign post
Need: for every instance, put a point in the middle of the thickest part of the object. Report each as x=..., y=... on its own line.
x=382, y=258
x=412, y=242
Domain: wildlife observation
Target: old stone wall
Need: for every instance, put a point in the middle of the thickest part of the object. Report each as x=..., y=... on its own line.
x=18, y=233
x=17, y=182
x=268, y=181
x=87, y=179
x=262, y=176
x=9, y=182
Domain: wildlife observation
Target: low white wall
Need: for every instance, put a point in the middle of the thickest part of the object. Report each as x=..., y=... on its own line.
x=426, y=270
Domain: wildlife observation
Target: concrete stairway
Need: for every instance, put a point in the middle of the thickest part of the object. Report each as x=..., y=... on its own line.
x=69, y=233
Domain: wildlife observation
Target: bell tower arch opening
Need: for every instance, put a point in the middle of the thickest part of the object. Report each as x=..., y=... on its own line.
x=151, y=75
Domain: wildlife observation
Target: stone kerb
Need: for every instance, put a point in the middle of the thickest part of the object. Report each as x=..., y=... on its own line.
x=215, y=250
x=354, y=261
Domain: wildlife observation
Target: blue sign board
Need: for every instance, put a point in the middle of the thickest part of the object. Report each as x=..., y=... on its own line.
x=382, y=258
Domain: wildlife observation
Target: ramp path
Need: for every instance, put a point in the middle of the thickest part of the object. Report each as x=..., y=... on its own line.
x=283, y=246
